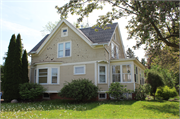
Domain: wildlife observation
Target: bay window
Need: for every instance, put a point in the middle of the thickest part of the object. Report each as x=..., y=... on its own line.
x=116, y=73
x=54, y=75
x=126, y=73
x=43, y=73
x=79, y=70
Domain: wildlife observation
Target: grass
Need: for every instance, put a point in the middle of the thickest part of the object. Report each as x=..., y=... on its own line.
x=103, y=109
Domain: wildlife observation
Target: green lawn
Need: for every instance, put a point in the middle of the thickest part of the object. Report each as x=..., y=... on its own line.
x=103, y=109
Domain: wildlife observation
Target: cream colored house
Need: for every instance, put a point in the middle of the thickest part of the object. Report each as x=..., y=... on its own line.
x=69, y=53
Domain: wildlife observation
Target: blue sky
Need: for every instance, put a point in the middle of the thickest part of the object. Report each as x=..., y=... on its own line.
x=28, y=17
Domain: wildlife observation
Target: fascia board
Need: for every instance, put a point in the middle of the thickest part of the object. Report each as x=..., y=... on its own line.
x=121, y=41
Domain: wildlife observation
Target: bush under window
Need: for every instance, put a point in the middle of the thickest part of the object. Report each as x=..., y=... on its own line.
x=79, y=90
x=30, y=90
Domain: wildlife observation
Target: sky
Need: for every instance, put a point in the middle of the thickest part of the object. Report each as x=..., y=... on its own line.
x=28, y=17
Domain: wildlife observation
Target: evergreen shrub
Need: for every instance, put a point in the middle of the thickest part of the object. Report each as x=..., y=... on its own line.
x=79, y=90
x=166, y=92
x=30, y=90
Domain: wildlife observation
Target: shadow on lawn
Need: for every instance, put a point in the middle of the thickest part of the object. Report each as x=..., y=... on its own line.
x=166, y=108
x=64, y=105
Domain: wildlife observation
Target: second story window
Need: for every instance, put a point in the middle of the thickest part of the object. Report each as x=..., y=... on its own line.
x=64, y=49
x=112, y=50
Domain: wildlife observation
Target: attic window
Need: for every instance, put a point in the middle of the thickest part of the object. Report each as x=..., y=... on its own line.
x=64, y=32
x=114, y=37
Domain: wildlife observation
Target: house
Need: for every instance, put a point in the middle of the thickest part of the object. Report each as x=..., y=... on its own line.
x=69, y=53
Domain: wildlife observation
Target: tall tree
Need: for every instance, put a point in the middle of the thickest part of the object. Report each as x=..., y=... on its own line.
x=18, y=63
x=143, y=61
x=9, y=83
x=130, y=53
x=151, y=22
x=25, y=78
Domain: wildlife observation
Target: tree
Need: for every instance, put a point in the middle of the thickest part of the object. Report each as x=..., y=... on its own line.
x=18, y=60
x=130, y=53
x=49, y=27
x=25, y=78
x=151, y=22
x=9, y=83
x=143, y=61
x=155, y=80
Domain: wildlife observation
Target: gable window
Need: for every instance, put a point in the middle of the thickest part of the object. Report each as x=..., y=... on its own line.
x=54, y=75
x=64, y=32
x=126, y=73
x=43, y=74
x=102, y=73
x=79, y=70
x=64, y=49
x=116, y=73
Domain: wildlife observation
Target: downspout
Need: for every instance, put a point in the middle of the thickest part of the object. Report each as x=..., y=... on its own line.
x=108, y=65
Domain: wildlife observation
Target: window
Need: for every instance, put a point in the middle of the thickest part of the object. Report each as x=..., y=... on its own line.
x=112, y=50
x=126, y=73
x=48, y=75
x=114, y=37
x=79, y=70
x=102, y=74
x=64, y=49
x=116, y=73
x=46, y=96
x=102, y=96
x=54, y=76
x=117, y=52
x=64, y=32
x=43, y=73
x=135, y=74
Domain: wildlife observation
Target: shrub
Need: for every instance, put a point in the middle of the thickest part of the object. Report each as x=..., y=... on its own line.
x=165, y=92
x=79, y=90
x=155, y=80
x=30, y=90
x=116, y=90
x=142, y=91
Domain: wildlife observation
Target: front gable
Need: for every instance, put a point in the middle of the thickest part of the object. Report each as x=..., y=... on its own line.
x=80, y=50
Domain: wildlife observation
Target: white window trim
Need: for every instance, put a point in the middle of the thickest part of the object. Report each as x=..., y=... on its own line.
x=126, y=73
x=116, y=73
x=102, y=98
x=64, y=49
x=121, y=73
x=80, y=66
x=105, y=74
x=57, y=74
x=65, y=28
x=47, y=75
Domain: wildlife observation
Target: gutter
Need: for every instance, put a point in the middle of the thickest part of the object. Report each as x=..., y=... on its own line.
x=96, y=44
x=108, y=65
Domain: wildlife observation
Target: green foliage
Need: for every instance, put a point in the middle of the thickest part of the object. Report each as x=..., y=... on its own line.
x=25, y=78
x=130, y=53
x=166, y=92
x=9, y=83
x=167, y=77
x=143, y=61
x=155, y=80
x=79, y=90
x=18, y=61
x=116, y=90
x=151, y=23
x=30, y=90
x=142, y=91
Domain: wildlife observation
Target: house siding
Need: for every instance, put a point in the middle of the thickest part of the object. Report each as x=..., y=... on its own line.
x=80, y=50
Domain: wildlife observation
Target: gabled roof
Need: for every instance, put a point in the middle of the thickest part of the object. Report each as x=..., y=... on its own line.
x=89, y=35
